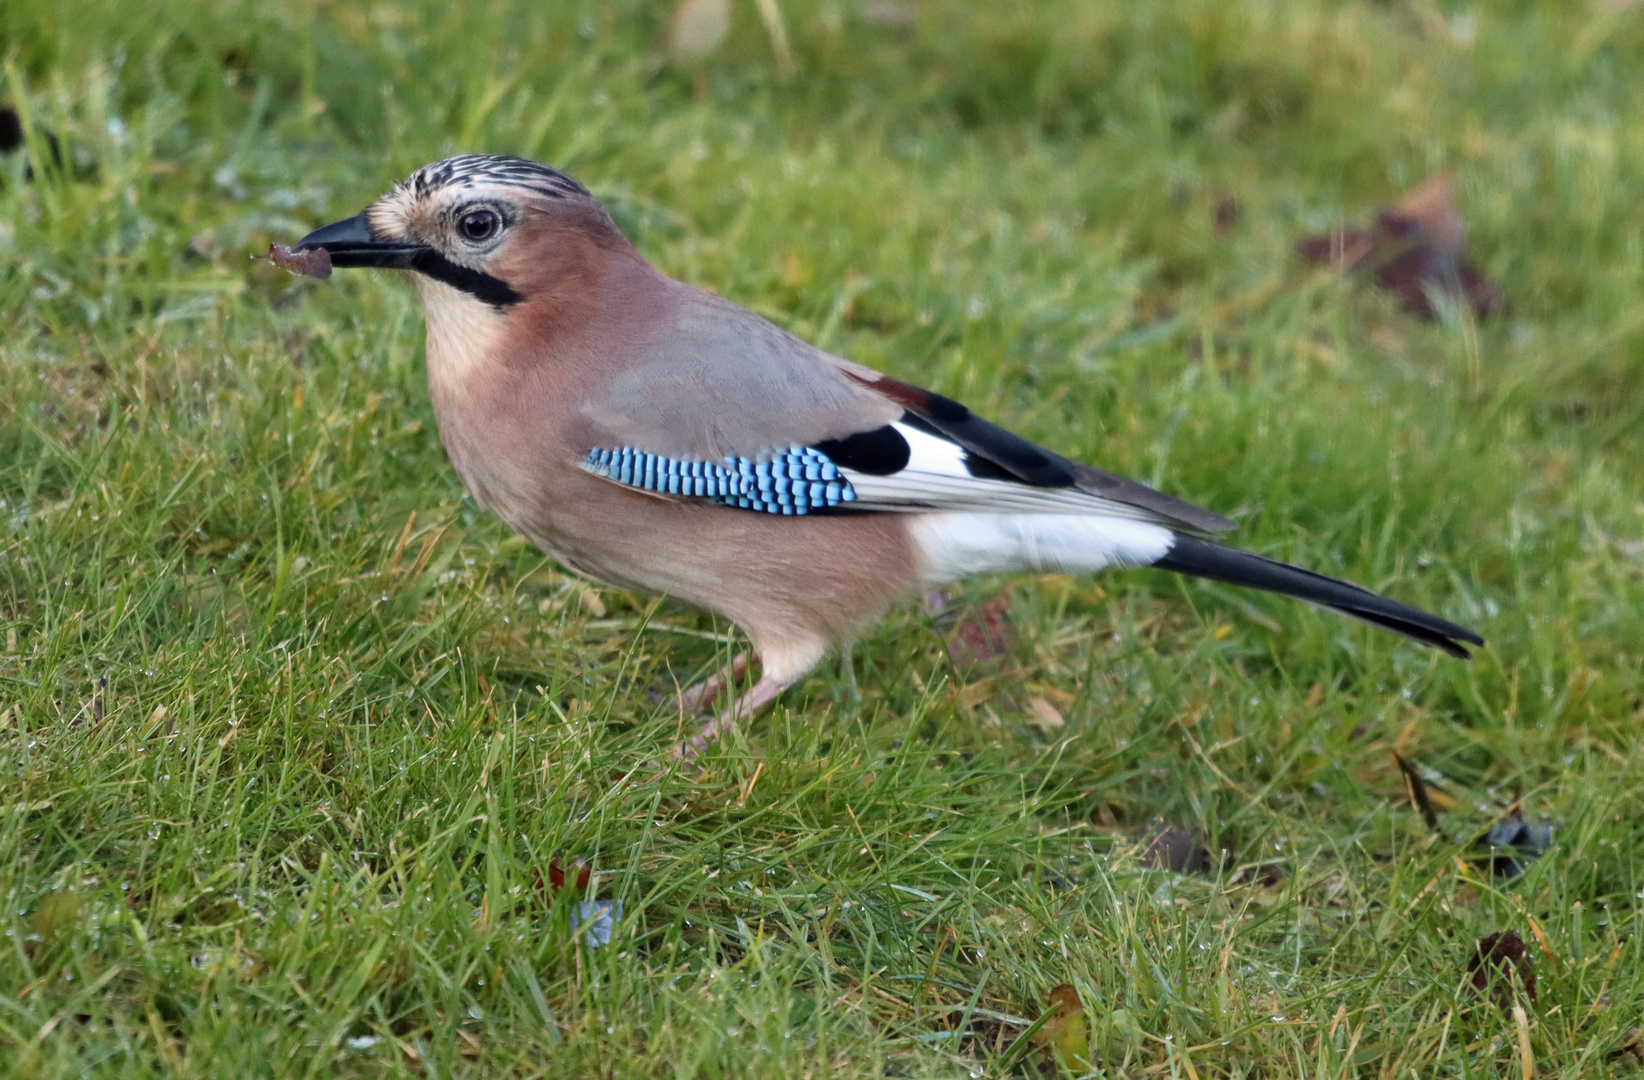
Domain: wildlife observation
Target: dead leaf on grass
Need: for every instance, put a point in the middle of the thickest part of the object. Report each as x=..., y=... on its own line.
x=596, y=919
x=973, y=694
x=1174, y=848
x=557, y=879
x=1416, y=786
x=1065, y=1037
x=1416, y=250
x=1497, y=960
x=983, y=633
x=1043, y=715
x=1630, y=1046
x=1513, y=841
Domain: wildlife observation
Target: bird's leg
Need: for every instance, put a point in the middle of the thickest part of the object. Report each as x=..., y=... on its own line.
x=760, y=695
x=848, y=662
x=705, y=692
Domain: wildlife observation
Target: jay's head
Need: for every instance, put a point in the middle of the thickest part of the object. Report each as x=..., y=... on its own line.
x=497, y=229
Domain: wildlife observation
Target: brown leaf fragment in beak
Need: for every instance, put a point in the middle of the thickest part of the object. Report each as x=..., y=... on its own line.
x=314, y=263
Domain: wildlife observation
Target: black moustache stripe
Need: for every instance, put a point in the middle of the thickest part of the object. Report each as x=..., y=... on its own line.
x=491, y=290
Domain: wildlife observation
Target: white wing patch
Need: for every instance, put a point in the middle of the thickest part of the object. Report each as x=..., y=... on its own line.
x=932, y=455
x=957, y=545
x=936, y=478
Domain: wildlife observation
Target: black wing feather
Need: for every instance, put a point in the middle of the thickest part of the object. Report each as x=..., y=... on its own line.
x=1201, y=558
x=994, y=452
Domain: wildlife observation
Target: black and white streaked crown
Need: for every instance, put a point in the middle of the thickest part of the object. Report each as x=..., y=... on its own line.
x=467, y=170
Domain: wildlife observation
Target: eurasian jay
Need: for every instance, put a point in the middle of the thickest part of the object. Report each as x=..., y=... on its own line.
x=657, y=437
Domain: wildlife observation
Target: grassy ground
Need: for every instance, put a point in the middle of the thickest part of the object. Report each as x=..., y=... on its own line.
x=293, y=736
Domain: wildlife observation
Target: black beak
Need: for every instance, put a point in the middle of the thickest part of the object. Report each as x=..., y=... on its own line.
x=349, y=243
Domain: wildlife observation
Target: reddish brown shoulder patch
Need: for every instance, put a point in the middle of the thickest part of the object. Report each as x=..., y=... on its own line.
x=904, y=394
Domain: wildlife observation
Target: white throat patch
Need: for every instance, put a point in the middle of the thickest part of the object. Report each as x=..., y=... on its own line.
x=463, y=332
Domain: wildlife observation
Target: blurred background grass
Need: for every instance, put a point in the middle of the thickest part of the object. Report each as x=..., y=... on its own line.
x=293, y=734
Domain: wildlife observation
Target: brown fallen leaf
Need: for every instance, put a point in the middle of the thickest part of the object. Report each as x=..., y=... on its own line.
x=982, y=634
x=1174, y=848
x=1497, y=959
x=557, y=879
x=1631, y=1045
x=1417, y=788
x=595, y=919
x=314, y=263
x=973, y=694
x=1416, y=250
x=1065, y=1036
x=1513, y=841
x=1043, y=715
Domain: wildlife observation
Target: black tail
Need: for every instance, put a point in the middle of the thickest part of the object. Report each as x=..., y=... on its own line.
x=1201, y=558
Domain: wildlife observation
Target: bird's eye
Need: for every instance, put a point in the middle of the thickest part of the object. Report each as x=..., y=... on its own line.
x=479, y=224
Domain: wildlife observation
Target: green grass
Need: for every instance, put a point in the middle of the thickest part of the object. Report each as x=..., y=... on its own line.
x=292, y=733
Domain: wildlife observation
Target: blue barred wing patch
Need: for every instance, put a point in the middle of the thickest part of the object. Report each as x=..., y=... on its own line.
x=793, y=481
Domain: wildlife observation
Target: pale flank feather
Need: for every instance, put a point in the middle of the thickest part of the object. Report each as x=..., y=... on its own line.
x=956, y=545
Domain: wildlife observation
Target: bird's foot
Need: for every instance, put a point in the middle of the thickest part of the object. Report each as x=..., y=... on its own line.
x=761, y=694
x=693, y=699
